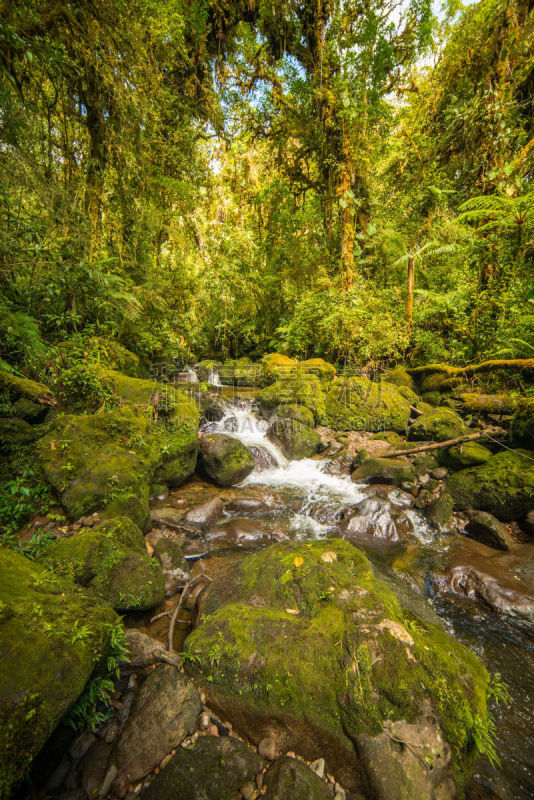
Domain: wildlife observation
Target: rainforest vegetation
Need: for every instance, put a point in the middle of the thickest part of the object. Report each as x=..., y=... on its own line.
x=203, y=178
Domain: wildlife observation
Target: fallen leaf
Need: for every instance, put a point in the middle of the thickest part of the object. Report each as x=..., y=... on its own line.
x=292, y=611
x=298, y=561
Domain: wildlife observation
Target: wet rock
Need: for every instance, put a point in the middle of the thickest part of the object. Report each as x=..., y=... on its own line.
x=339, y=464
x=166, y=517
x=439, y=473
x=303, y=390
x=214, y=409
x=231, y=424
x=268, y=748
x=93, y=767
x=423, y=499
x=397, y=497
x=377, y=519
x=295, y=439
x=206, y=513
x=144, y=650
x=112, y=560
x=81, y=745
x=479, y=586
x=502, y=486
x=226, y=460
x=296, y=412
x=437, y=425
x=214, y=769
x=166, y=710
x=263, y=458
x=251, y=506
x=486, y=529
x=276, y=620
x=290, y=778
x=384, y=470
x=466, y=454
x=241, y=532
x=439, y=511
x=522, y=427
x=359, y=404
x=173, y=564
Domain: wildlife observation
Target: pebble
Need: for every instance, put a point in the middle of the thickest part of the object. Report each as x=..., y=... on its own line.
x=259, y=780
x=111, y=774
x=213, y=730
x=248, y=791
x=340, y=792
x=439, y=474
x=267, y=748
x=318, y=767
x=165, y=760
x=202, y=696
x=204, y=720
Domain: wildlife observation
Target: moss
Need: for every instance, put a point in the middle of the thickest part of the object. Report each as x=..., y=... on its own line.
x=14, y=433
x=438, y=425
x=112, y=560
x=50, y=640
x=398, y=376
x=276, y=365
x=384, y=470
x=318, y=366
x=476, y=403
x=359, y=404
x=226, y=460
x=522, y=427
x=504, y=485
x=295, y=439
x=307, y=630
x=205, y=367
x=15, y=387
x=297, y=412
x=467, y=454
x=304, y=390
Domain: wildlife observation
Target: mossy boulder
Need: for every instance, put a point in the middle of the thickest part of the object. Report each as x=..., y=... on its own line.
x=522, y=427
x=398, y=376
x=205, y=367
x=466, y=454
x=276, y=365
x=23, y=398
x=325, y=371
x=241, y=372
x=384, y=470
x=112, y=560
x=438, y=425
x=109, y=460
x=304, y=390
x=476, y=403
x=51, y=635
x=439, y=511
x=301, y=642
x=359, y=404
x=14, y=433
x=503, y=485
x=295, y=439
x=297, y=412
x=226, y=460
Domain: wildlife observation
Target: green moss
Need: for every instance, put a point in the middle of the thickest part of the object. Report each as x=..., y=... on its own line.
x=112, y=560
x=276, y=365
x=384, y=470
x=226, y=460
x=467, y=454
x=398, y=376
x=504, y=485
x=438, y=425
x=318, y=366
x=15, y=387
x=51, y=635
x=14, y=433
x=307, y=630
x=522, y=427
x=295, y=439
x=297, y=412
x=301, y=389
x=359, y=404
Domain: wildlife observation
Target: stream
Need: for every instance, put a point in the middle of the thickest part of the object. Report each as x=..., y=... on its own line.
x=306, y=501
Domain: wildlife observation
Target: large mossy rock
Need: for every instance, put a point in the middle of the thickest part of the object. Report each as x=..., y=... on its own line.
x=14, y=433
x=298, y=412
x=108, y=460
x=467, y=454
x=438, y=425
x=398, y=376
x=226, y=460
x=476, y=403
x=503, y=485
x=241, y=372
x=522, y=427
x=304, y=390
x=295, y=439
x=24, y=398
x=205, y=367
x=302, y=643
x=51, y=635
x=384, y=470
x=112, y=560
x=359, y=404
x=325, y=371
x=275, y=366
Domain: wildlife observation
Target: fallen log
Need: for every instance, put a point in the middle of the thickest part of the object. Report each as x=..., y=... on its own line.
x=526, y=364
x=489, y=433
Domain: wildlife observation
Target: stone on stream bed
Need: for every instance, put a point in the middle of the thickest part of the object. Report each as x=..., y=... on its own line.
x=290, y=778
x=297, y=412
x=226, y=460
x=214, y=769
x=384, y=470
x=467, y=454
x=438, y=425
x=51, y=635
x=111, y=559
x=304, y=390
x=378, y=519
x=302, y=643
x=295, y=439
x=359, y=404
x=522, y=428
x=486, y=529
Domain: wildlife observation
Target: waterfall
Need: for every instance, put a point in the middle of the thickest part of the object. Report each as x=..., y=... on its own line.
x=213, y=378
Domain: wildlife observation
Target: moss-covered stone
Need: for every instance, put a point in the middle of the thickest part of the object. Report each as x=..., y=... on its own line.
x=302, y=640
x=466, y=454
x=112, y=560
x=398, y=376
x=304, y=390
x=439, y=511
x=476, y=403
x=14, y=433
x=295, y=439
x=205, y=367
x=226, y=460
x=504, y=485
x=522, y=427
x=276, y=365
x=384, y=470
x=14, y=389
x=241, y=372
x=359, y=404
x=51, y=635
x=438, y=425
x=296, y=411
x=325, y=371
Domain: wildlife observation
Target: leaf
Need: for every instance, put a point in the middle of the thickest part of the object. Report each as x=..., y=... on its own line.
x=298, y=561
x=292, y=611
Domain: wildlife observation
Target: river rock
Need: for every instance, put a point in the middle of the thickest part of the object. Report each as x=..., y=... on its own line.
x=439, y=511
x=522, y=427
x=206, y=513
x=486, y=529
x=303, y=390
x=290, y=778
x=166, y=710
x=338, y=464
x=359, y=404
x=275, y=622
x=466, y=454
x=295, y=439
x=503, y=485
x=112, y=560
x=93, y=767
x=263, y=458
x=377, y=519
x=52, y=633
x=145, y=651
x=438, y=425
x=296, y=412
x=173, y=564
x=242, y=533
x=226, y=460
x=214, y=769
x=275, y=366
x=476, y=585
x=384, y=470
x=251, y=506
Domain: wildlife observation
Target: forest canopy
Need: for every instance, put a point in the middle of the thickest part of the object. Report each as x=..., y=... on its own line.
x=204, y=178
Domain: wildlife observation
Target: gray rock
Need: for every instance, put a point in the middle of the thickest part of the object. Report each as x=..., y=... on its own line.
x=144, y=650
x=290, y=778
x=487, y=529
x=476, y=585
x=214, y=769
x=206, y=513
x=251, y=506
x=166, y=710
x=81, y=745
x=268, y=748
x=439, y=511
x=93, y=767
x=295, y=439
x=384, y=470
x=439, y=474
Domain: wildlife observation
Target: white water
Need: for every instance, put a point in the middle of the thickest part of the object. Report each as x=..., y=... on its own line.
x=213, y=378
x=190, y=375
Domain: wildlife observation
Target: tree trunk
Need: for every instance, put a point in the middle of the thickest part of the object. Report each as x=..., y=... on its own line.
x=347, y=217
x=409, y=295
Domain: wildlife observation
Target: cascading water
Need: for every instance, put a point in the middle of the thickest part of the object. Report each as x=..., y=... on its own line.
x=213, y=378
x=189, y=375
